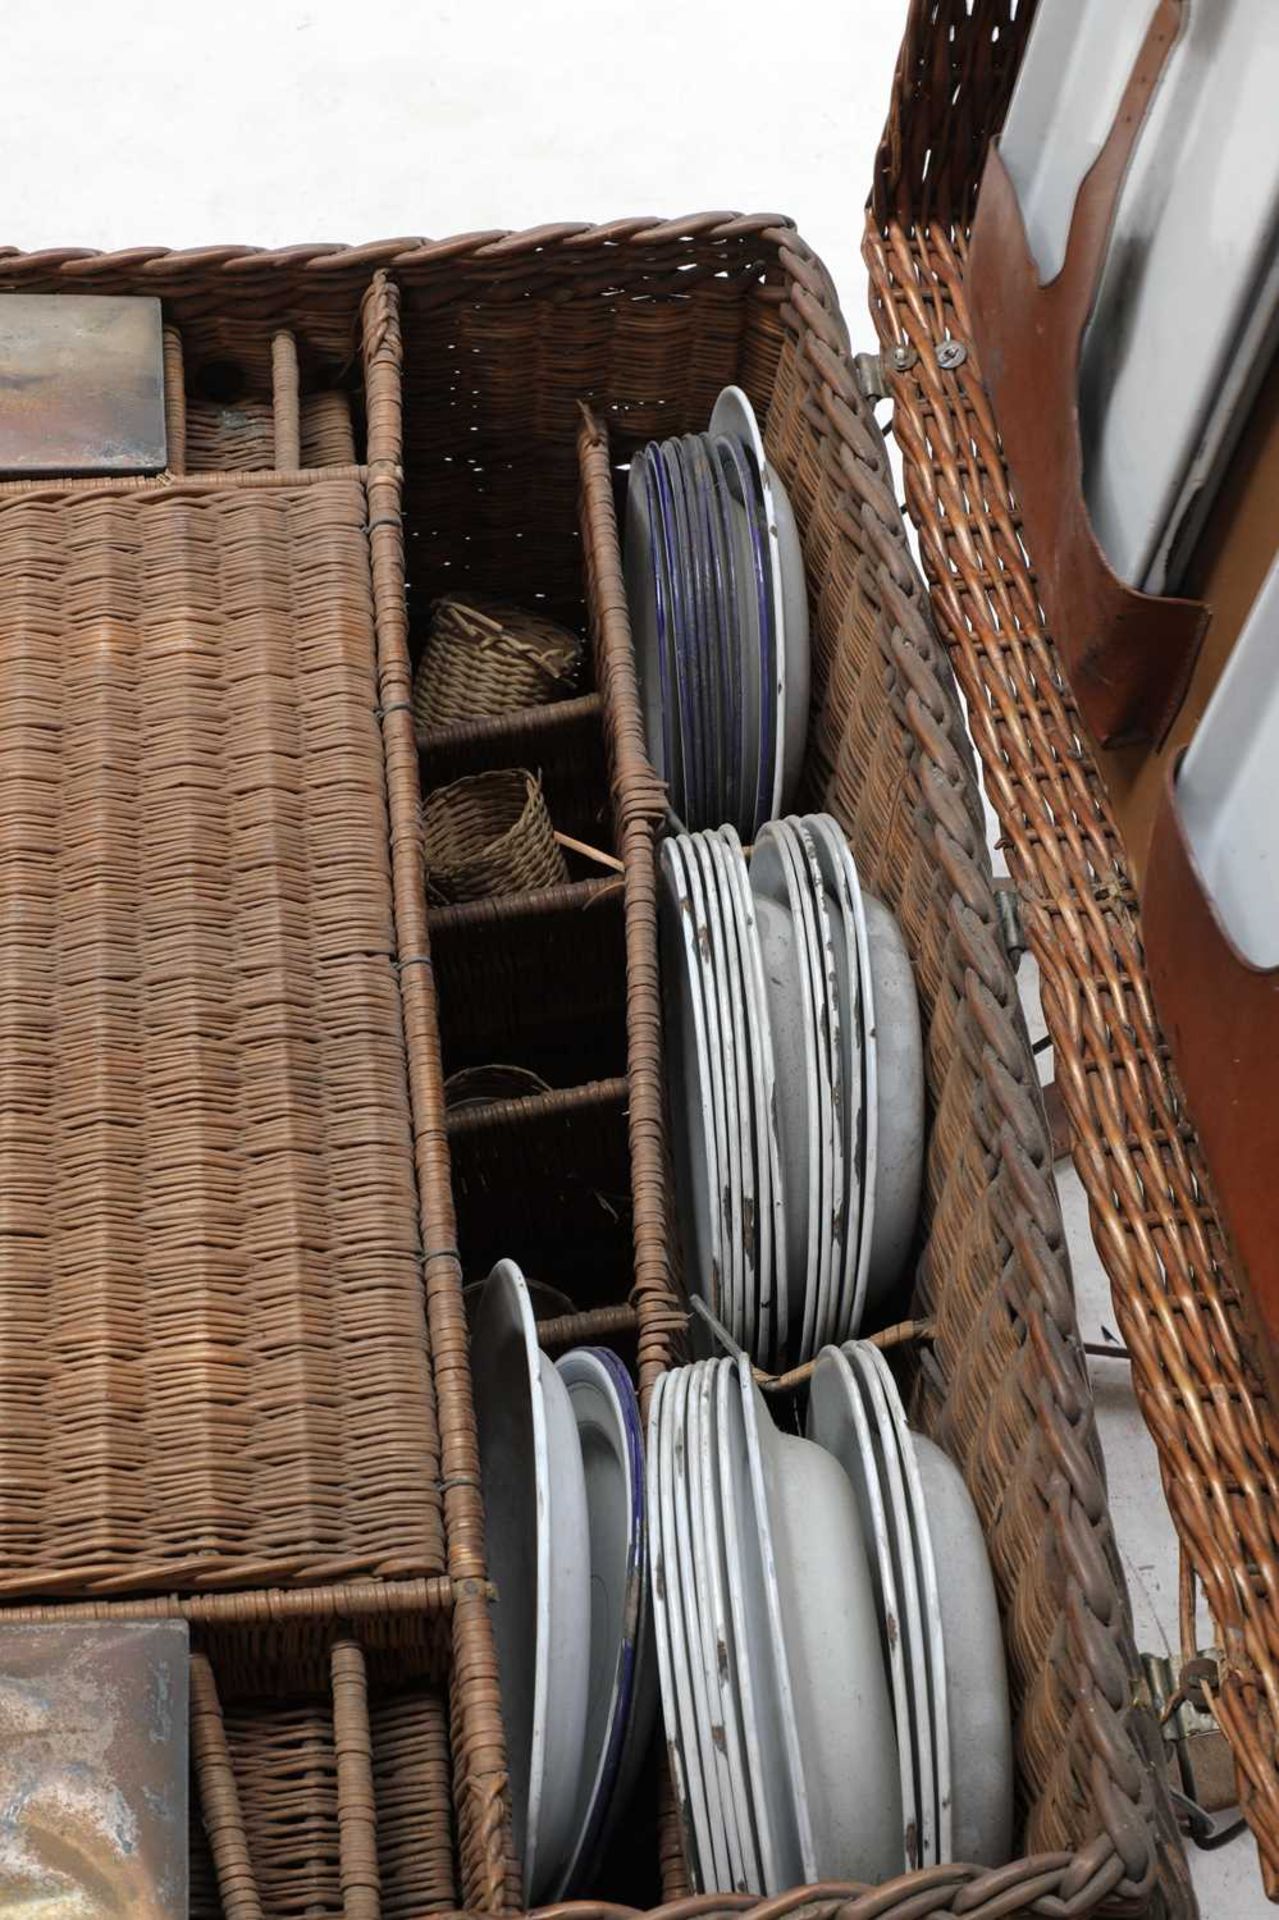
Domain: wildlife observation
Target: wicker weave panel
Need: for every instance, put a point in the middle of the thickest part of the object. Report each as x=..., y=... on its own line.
x=241, y=438
x=215, y=1363
x=283, y=1763
x=491, y=393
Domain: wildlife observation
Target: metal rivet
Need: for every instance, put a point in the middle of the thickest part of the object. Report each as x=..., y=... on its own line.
x=903, y=358
x=951, y=353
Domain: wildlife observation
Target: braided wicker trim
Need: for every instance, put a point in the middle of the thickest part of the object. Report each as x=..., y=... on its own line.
x=1056, y=1886
x=412, y=260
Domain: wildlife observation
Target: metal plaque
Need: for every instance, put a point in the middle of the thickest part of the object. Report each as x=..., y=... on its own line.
x=81, y=385
x=93, y=1771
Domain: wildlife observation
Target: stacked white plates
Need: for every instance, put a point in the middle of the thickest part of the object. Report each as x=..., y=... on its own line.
x=795, y=1059
x=939, y=1635
x=719, y=612
x=560, y=1454
x=776, y=1701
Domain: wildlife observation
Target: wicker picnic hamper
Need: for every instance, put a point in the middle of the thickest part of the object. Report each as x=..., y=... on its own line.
x=484, y=345
x=1150, y=1194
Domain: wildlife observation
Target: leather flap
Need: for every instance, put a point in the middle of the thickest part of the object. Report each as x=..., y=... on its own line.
x=1128, y=654
x=1221, y=1017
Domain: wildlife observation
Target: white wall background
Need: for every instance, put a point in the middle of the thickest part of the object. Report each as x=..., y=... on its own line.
x=163, y=122
x=160, y=121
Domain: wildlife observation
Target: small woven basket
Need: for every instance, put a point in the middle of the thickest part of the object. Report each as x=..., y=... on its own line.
x=489, y=834
x=484, y=657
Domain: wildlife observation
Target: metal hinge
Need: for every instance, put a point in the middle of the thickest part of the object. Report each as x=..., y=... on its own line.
x=1203, y=1776
x=869, y=369
x=873, y=369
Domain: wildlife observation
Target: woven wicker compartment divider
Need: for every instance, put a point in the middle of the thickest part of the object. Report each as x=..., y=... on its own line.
x=239, y=400
x=254, y=621
x=230, y=439
x=648, y=321
x=1134, y=1146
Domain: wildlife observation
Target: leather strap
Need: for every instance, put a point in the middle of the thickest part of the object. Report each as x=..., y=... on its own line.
x=1128, y=654
x=1221, y=1018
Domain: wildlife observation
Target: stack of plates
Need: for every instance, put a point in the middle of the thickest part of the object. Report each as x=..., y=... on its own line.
x=940, y=1639
x=797, y=1088
x=833, y=1710
x=778, y=1716
x=715, y=586
x=560, y=1454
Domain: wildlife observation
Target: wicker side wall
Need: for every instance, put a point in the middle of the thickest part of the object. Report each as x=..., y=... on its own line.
x=1005, y=1386
x=1134, y=1146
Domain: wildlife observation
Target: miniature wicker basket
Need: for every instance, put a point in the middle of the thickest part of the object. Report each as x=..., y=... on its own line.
x=484, y=657
x=489, y=834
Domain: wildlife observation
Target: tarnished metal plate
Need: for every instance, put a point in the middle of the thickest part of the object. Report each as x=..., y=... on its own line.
x=93, y=1771
x=81, y=384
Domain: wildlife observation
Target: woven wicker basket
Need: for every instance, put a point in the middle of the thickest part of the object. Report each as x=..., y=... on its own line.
x=489, y=834
x=564, y=741
x=483, y=658
x=1158, y=1232
x=647, y=322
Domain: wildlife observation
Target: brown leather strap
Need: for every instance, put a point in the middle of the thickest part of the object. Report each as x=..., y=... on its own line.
x=1221, y=1018
x=1128, y=654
